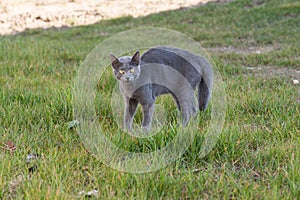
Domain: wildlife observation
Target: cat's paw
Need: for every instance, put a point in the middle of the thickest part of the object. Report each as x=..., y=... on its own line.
x=127, y=129
x=146, y=129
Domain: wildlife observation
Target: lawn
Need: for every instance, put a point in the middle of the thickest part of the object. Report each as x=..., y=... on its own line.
x=255, y=47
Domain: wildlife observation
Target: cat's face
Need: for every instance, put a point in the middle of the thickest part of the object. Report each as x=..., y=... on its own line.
x=126, y=69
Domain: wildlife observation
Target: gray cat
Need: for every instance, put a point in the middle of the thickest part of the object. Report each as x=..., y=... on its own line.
x=162, y=70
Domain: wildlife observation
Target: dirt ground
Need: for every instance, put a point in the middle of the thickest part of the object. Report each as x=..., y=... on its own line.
x=18, y=15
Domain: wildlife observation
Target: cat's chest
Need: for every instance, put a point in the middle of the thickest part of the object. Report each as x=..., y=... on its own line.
x=128, y=90
x=137, y=92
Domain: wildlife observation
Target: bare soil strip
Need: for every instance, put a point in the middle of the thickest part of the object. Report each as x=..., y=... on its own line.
x=18, y=15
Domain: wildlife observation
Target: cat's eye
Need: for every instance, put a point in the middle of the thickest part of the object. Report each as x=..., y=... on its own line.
x=122, y=71
x=132, y=70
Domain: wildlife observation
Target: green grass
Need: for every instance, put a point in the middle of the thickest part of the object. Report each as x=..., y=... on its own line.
x=257, y=154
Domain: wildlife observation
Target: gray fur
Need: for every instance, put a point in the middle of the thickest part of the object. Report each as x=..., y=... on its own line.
x=162, y=70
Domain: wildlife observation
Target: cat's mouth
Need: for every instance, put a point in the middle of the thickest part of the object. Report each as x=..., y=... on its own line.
x=127, y=81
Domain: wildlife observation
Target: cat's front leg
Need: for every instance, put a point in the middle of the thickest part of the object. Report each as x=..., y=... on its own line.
x=148, y=110
x=129, y=111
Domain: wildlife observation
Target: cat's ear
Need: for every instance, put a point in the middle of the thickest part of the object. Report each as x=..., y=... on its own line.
x=135, y=60
x=115, y=63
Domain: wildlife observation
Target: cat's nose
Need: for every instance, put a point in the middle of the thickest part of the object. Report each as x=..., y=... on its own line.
x=127, y=78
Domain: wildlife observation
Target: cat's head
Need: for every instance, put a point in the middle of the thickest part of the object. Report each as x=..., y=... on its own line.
x=126, y=68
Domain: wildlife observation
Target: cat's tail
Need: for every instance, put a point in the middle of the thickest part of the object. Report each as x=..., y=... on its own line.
x=205, y=89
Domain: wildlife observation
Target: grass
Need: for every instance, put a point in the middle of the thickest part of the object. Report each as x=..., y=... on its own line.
x=257, y=154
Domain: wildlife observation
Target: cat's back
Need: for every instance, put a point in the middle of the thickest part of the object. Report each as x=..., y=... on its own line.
x=163, y=55
x=191, y=66
x=181, y=60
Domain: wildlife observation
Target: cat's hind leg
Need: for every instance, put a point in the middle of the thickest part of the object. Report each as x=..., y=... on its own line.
x=188, y=108
x=176, y=101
